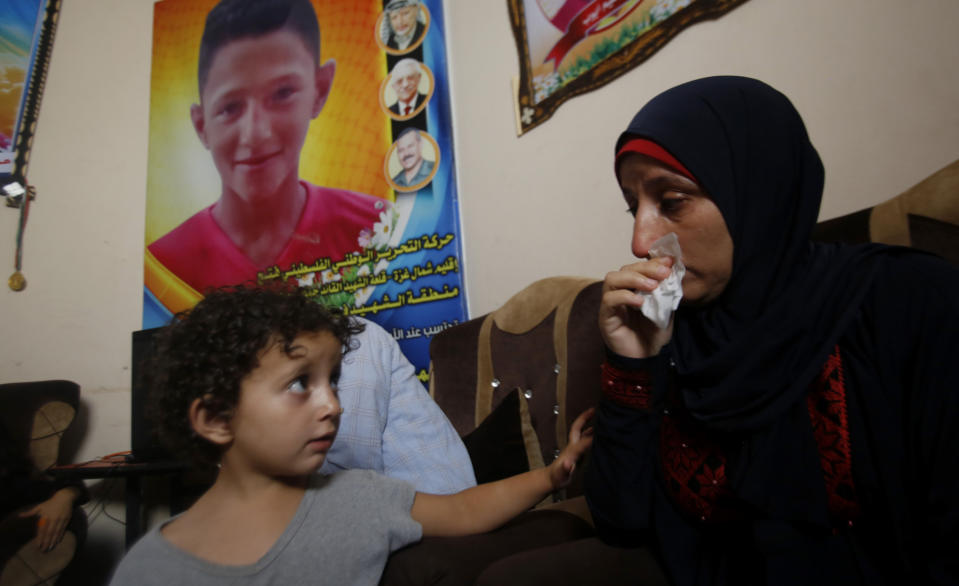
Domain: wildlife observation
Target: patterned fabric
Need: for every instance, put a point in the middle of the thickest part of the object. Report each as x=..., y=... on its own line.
x=629, y=388
x=390, y=424
x=694, y=467
x=827, y=409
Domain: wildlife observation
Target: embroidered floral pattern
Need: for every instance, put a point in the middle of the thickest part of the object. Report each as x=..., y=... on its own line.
x=694, y=468
x=827, y=410
x=629, y=388
x=694, y=465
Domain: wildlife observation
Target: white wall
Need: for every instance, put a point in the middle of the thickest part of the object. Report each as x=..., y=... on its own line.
x=83, y=242
x=875, y=79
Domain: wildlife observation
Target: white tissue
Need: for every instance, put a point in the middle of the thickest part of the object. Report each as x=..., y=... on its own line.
x=660, y=304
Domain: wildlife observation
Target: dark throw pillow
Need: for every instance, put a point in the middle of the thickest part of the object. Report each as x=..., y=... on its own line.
x=497, y=446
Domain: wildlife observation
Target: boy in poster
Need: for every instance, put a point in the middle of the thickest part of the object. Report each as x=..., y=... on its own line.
x=261, y=84
x=286, y=196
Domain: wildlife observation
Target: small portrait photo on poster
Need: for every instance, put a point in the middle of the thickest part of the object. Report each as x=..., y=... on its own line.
x=402, y=26
x=412, y=161
x=406, y=90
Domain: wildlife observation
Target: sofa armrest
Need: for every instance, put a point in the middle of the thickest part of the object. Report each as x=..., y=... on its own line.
x=544, y=343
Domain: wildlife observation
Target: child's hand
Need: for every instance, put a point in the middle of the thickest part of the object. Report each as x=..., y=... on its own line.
x=561, y=470
x=487, y=506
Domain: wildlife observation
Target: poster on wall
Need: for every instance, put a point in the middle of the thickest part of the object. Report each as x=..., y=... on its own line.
x=569, y=47
x=26, y=40
x=309, y=145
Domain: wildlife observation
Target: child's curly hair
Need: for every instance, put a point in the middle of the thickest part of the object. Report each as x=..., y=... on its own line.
x=207, y=352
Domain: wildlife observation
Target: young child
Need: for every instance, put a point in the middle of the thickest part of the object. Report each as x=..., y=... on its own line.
x=247, y=379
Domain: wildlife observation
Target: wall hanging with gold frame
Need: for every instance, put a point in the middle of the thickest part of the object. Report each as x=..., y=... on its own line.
x=568, y=47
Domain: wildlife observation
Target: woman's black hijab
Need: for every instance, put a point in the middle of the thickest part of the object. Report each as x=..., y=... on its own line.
x=745, y=361
x=749, y=355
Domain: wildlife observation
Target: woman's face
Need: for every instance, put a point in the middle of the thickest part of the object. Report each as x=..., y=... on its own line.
x=662, y=201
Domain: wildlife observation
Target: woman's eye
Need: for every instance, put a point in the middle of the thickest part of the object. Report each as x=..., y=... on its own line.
x=672, y=204
x=298, y=385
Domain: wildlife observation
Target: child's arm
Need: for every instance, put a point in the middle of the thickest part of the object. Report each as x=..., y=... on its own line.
x=487, y=506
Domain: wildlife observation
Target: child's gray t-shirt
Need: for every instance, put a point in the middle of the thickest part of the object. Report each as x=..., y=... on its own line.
x=343, y=531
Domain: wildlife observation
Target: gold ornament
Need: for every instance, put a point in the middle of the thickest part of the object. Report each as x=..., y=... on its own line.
x=17, y=281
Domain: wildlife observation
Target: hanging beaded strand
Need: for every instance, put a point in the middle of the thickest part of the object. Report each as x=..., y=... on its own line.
x=17, y=282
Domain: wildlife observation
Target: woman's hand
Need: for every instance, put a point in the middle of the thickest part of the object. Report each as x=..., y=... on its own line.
x=53, y=515
x=562, y=468
x=626, y=331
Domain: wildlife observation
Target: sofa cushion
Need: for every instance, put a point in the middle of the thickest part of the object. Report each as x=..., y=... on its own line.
x=49, y=424
x=505, y=443
x=925, y=217
x=935, y=236
x=29, y=565
x=35, y=415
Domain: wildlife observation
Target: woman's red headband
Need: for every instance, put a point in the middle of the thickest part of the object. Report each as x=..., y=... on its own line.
x=647, y=147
